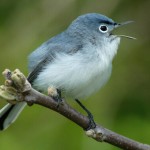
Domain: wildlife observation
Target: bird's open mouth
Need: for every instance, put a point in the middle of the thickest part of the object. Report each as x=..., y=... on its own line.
x=122, y=35
x=112, y=37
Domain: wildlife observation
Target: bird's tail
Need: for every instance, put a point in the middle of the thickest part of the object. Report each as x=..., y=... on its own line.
x=9, y=113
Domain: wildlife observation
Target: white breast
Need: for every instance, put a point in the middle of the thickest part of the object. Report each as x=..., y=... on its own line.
x=79, y=75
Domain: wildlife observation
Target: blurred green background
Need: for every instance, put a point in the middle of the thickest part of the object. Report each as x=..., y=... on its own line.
x=122, y=105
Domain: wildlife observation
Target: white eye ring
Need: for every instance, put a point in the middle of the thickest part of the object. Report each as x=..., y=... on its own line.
x=103, y=28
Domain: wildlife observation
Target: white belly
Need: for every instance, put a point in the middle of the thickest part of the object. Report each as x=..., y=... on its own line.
x=72, y=74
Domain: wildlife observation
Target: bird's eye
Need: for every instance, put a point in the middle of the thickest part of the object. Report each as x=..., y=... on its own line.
x=103, y=28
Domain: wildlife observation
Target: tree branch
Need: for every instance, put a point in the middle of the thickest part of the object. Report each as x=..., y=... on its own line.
x=17, y=88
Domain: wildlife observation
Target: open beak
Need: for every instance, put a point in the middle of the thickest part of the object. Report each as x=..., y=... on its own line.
x=122, y=24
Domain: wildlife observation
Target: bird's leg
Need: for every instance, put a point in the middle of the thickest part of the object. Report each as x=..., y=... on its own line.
x=55, y=94
x=92, y=123
x=59, y=96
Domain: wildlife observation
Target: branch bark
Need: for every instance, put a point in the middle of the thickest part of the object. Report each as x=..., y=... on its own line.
x=17, y=88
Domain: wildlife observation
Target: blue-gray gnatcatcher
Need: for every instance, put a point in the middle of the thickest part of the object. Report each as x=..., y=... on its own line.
x=78, y=61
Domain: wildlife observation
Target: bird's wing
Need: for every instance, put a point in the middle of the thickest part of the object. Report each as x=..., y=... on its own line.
x=34, y=73
x=46, y=53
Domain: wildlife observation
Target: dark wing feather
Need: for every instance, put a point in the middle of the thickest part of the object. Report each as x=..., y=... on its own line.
x=33, y=75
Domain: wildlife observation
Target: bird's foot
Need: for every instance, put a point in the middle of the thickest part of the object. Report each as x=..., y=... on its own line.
x=92, y=123
x=56, y=95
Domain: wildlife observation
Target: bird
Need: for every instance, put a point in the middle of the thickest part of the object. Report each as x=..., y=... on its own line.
x=77, y=62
